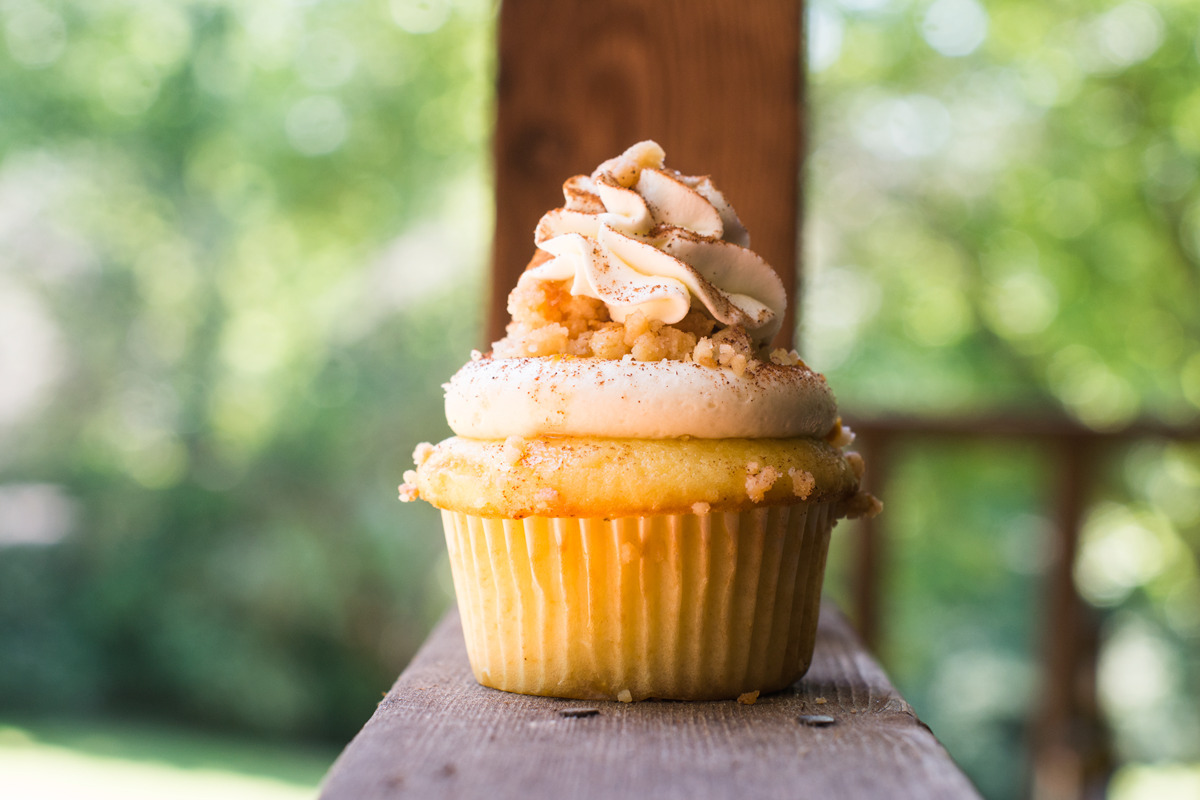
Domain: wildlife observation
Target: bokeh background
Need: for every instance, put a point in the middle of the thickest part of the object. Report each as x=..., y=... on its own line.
x=243, y=244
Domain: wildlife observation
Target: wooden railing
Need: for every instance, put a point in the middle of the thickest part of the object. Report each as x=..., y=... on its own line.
x=842, y=733
x=1071, y=753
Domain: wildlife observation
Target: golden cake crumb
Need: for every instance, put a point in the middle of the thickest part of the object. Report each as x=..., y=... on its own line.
x=840, y=435
x=636, y=325
x=820, y=701
x=748, y=698
x=803, y=482
x=548, y=320
x=759, y=480
x=422, y=452
x=734, y=349
x=514, y=450
x=608, y=342
x=408, y=489
x=856, y=464
x=862, y=505
x=546, y=496
x=786, y=358
x=625, y=696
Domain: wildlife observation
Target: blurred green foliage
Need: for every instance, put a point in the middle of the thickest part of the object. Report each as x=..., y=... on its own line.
x=240, y=247
x=1003, y=215
x=242, y=244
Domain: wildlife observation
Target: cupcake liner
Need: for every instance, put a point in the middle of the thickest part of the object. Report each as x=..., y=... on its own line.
x=680, y=606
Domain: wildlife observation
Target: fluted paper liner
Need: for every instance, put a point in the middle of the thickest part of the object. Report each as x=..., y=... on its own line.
x=686, y=606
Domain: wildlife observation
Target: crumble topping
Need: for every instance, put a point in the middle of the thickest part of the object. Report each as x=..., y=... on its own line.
x=856, y=464
x=548, y=320
x=421, y=453
x=408, y=489
x=787, y=358
x=840, y=435
x=514, y=450
x=759, y=480
x=547, y=496
x=864, y=505
x=803, y=482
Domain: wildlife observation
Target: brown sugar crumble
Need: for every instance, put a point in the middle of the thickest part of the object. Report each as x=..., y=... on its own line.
x=759, y=480
x=408, y=489
x=514, y=450
x=422, y=452
x=803, y=482
x=839, y=435
x=548, y=320
x=856, y=464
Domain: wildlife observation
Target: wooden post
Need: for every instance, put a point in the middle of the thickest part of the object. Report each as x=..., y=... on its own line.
x=717, y=84
x=1071, y=757
x=870, y=545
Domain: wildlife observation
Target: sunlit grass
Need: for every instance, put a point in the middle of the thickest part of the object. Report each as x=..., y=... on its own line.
x=99, y=760
x=1156, y=782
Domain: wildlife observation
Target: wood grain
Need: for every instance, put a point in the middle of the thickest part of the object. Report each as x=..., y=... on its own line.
x=438, y=734
x=717, y=84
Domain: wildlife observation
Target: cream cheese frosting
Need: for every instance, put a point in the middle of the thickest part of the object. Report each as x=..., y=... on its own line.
x=492, y=398
x=640, y=237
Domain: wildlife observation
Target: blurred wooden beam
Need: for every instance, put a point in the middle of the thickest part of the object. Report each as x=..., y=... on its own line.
x=1001, y=425
x=1071, y=755
x=717, y=84
x=870, y=545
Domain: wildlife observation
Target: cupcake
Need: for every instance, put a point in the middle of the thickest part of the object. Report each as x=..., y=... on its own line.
x=639, y=494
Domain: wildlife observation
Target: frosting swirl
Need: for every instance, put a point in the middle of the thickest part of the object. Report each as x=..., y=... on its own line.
x=639, y=237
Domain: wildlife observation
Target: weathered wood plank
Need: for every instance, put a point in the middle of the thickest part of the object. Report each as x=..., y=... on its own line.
x=717, y=84
x=438, y=734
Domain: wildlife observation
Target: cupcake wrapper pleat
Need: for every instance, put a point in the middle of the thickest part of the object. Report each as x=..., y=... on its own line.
x=685, y=606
